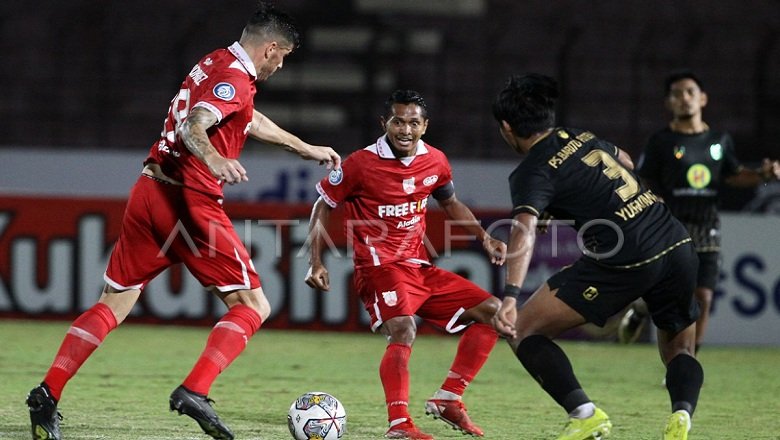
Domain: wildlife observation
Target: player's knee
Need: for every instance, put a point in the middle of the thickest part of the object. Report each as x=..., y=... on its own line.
x=704, y=297
x=400, y=330
x=254, y=299
x=263, y=307
x=673, y=344
x=484, y=311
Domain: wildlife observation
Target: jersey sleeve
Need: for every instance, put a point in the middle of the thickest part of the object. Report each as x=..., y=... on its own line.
x=223, y=95
x=445, y=187
x=731, y=164
x=532, y=191
x=339, y=184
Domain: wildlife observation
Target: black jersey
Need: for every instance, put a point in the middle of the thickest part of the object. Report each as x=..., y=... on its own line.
x=687, y=171
x=577, y=177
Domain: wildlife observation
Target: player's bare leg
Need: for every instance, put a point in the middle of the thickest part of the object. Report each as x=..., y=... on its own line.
x=704, y=297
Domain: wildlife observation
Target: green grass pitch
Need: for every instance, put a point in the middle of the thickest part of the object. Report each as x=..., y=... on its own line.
x=122, y=391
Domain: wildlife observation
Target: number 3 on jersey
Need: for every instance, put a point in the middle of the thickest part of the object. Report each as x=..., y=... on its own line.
x=614, y=170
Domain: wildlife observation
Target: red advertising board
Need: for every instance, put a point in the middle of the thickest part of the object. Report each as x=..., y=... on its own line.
x=53, y=252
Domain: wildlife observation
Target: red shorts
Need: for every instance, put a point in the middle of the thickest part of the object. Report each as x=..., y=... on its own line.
x=433, y=294
x=164, y=224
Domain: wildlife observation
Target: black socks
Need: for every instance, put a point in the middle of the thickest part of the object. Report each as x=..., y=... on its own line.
x=684, y=377
x=550, y=366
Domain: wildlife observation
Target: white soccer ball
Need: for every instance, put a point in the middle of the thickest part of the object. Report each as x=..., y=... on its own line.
x=317, y=416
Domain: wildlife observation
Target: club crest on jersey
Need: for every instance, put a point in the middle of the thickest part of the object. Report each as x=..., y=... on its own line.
x=716, y=151
x=335, y=177
x=390, y=298
x=408, y=185
x=590, y=293
x=224, y=91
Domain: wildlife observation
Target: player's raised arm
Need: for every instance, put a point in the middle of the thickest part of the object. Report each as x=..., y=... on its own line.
x=317, y=276
x=457, y=210
x=264, y=129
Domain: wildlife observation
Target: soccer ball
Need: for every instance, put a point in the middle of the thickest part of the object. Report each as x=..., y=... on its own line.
x=317, y=416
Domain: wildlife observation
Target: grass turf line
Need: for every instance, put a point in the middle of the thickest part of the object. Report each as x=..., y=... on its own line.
x=122, y=391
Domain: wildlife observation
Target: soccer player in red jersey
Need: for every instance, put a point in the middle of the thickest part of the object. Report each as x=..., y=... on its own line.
x=385, y=189
x=174, y=215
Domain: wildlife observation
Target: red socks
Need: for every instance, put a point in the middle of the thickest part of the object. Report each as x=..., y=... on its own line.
x=394, y=373
x=226, y=341
x=473, y=350
x=85, y=335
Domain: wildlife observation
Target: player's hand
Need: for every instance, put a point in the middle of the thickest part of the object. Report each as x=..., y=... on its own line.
x=504, y=320
x=324, y=155
x=496, y=249
x=317, y=277
x=229, y=171
x=770, y=169
x=544, y=222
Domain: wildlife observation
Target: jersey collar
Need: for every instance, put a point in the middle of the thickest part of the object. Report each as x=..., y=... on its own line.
x=382, y=148
x=243, y=58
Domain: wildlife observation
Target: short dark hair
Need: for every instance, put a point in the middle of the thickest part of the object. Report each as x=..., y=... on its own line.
x=405, y=97
x=269, y=23
x=527, y=103
x=678, y=75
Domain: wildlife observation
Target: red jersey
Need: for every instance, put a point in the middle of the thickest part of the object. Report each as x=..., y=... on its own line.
x=222, y=82
x=386, y=199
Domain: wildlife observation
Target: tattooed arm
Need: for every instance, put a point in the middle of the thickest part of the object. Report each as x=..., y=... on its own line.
x=194, y=134
x=265, y=130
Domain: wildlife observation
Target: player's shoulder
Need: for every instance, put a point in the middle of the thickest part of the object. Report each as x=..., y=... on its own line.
x=720, y=135
x=663, y=137
x=368, y=153
x=359, y=159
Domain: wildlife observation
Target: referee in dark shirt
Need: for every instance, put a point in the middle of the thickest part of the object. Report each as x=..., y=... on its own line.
x=632, y=247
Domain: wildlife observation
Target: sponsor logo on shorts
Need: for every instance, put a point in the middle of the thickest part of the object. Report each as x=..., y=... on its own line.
x=590, y=293
x=335, y=177
x=224, y=91
x=430, y=180
x=390, y=297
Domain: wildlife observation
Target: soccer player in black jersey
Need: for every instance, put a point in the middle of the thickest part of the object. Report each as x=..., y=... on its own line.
x=686, y=163
x=632, y=247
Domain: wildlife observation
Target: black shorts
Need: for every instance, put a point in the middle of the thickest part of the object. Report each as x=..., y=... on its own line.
x=597, y=292
x=709, y=270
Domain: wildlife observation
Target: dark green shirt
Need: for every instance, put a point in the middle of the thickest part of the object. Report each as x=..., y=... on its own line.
x=687, y=170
